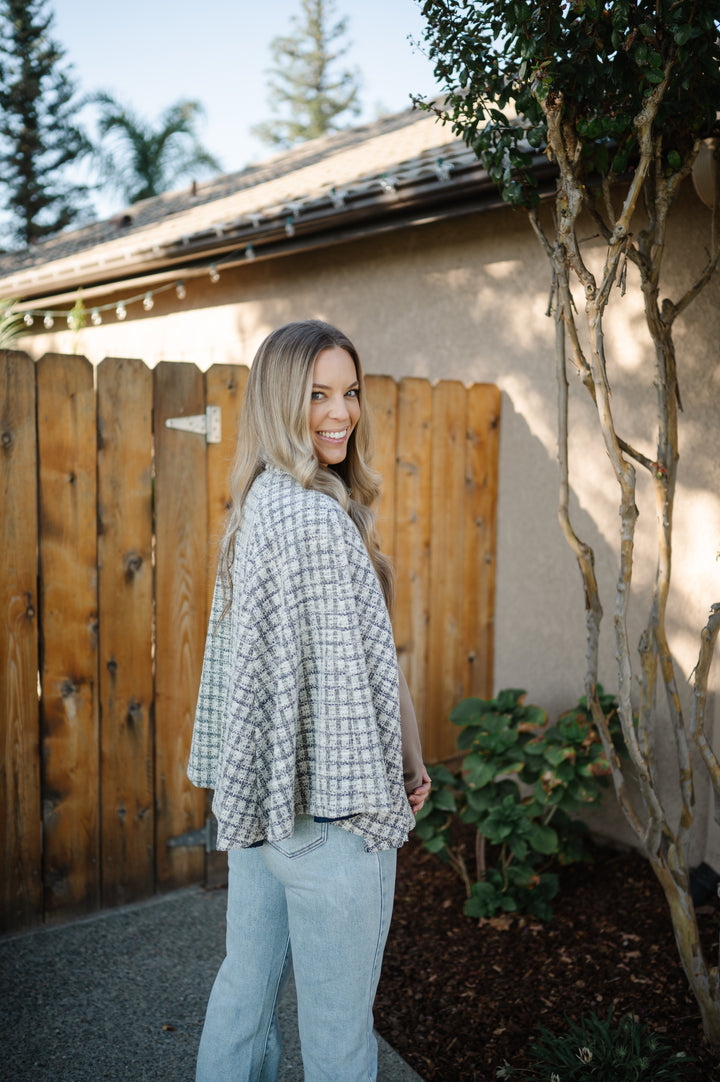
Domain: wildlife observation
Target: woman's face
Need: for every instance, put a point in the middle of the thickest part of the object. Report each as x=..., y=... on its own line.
x=334, y=404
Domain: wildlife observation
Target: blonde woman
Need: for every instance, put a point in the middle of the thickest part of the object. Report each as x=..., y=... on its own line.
x=304, y=727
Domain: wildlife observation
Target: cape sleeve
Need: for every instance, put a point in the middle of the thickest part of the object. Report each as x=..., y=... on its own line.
x=209, y=714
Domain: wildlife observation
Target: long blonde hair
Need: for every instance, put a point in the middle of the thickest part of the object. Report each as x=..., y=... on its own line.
x=274, y=430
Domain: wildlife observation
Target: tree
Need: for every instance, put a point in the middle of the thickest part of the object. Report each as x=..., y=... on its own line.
x=301, y=84
x=618, y=94
x=39, y=136
x=140, y=160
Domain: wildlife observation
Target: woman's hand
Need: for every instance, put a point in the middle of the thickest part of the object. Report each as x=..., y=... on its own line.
x=418, y=796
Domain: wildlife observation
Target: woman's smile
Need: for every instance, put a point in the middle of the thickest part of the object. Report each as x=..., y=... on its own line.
x=334, y=404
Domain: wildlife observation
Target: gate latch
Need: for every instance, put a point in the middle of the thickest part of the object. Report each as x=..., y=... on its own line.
x=207, y=424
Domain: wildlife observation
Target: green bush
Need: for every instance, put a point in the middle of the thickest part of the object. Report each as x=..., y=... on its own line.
x=521, y=785
x=595, y=1049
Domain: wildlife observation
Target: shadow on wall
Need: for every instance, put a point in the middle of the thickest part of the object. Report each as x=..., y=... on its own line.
x=540, y=623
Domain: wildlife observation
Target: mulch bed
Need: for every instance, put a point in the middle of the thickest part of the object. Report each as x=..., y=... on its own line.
x=458, y=998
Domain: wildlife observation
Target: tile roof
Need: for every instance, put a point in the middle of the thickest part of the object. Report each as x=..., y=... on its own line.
x=374, y=173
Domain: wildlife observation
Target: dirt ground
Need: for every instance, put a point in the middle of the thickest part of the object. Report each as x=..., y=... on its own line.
x=458, y=998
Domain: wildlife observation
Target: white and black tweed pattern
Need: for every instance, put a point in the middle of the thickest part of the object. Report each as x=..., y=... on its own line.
x=298, y=705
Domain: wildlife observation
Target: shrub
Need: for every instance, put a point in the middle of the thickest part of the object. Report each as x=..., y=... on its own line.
x=521, y=784
x=593, y=1048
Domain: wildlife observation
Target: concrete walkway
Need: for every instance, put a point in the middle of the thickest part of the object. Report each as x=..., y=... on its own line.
x=121, y=996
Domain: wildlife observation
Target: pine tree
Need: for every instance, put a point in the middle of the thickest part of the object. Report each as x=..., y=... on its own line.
x=39, y=136
x=306, y=96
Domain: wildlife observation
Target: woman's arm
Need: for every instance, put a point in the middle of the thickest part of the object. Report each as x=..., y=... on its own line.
x=417, y=782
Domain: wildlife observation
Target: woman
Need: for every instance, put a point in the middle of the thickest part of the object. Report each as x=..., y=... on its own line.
x=298, y=724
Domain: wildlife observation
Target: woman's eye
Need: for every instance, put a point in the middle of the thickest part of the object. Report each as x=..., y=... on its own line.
x=316, y=396
x=354, y=392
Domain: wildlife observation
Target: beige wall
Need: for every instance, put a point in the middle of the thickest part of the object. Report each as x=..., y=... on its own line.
x=466, y=300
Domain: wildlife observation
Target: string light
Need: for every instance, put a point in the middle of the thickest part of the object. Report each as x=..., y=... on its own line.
x=441, y=168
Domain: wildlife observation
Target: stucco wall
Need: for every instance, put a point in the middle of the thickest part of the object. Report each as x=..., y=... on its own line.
x=466, y=299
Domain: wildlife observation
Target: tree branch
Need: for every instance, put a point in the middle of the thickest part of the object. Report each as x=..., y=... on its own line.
x=708, y=638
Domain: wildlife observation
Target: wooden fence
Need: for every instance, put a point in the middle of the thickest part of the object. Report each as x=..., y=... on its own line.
x=109, y=523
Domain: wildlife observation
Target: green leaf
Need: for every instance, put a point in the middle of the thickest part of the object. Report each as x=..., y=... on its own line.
x=440, y=775
x=555, y=754
x=444, y=799
x=479, y=770
x=509, y=698
x=682, y=34
x=518, y=848
x=467, y=712
x=483, y=901
x=543, y=839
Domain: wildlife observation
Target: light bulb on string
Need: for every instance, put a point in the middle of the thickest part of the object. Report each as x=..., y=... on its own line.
x=28, y=319
x=214, y=273
x=249, y=252
x=121, y=311
x=289, y=226
x=148, y=302
x=95, y=317
x=48, y=322
x=181, y=291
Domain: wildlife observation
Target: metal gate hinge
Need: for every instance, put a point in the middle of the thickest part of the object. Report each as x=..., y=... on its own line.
x=207, y=424
x=206, y=836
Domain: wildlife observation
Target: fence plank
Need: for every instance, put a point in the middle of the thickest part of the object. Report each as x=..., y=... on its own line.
x=382, y=392
x=224, y=387
x=446, y=665
x=181, y=530
x=21, y=902
x=125, y=621
x=481, y=490
x=412, y=539
x=68, y=617
x=438, y=452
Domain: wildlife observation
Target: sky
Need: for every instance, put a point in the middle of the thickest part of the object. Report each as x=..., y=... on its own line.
x=151, y=53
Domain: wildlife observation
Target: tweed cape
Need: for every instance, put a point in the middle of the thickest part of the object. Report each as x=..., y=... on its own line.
x=298, y=705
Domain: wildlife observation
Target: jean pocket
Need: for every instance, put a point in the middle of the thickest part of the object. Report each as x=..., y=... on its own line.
x=307, y=836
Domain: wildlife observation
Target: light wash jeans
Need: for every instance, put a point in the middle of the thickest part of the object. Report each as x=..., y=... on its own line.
x=322, y=896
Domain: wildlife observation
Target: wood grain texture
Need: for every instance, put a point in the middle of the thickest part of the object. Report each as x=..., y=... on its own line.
x=181, y=589
x=68, y=618
x=21, y=900
x=105, y=620
x=412, y=539
x=481, y=492
x=446, y=663
x=224, y=387
x=382, y=394
x=125, y=590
